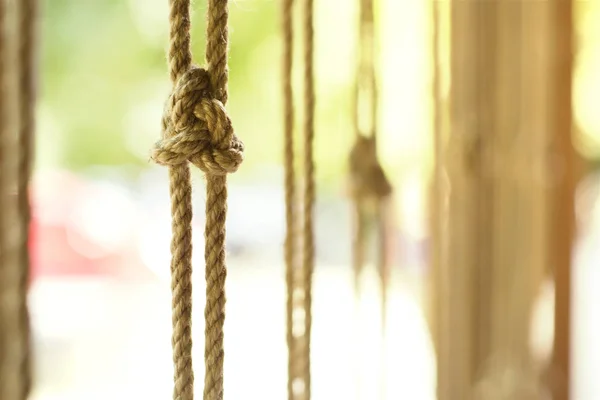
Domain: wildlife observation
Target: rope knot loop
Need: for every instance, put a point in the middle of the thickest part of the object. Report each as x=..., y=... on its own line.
x=367, y=177
x=196, y=128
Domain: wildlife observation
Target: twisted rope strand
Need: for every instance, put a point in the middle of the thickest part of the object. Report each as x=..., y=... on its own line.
x=180, y=187
x=216, y=211
x=290, y=194
x=180, y=52
x=309, y=189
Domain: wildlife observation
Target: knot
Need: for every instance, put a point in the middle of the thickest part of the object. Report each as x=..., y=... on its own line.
x=367, y=179
x=196, y=128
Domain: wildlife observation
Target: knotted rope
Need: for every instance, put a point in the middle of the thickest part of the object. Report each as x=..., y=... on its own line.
x=299, y=277
x=368, y=183
x=16, y=131
x=196, y=129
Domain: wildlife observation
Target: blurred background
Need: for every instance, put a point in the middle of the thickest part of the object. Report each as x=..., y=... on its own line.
x=100, y=295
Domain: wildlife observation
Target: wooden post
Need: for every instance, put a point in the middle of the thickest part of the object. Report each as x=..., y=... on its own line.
x=561, y=241
x=491, y=246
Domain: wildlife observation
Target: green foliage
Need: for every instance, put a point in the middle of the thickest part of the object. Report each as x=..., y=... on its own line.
x=104, y=81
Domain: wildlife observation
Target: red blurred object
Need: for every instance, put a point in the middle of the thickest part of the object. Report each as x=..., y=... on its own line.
x=52, y=255
x=58, y=250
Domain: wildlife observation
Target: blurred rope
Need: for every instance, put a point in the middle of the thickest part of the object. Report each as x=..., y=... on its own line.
x=369, y=186
x=299, y=277
x=290, y=194
x=27, y=10
x=309, y=188
x=17, y=48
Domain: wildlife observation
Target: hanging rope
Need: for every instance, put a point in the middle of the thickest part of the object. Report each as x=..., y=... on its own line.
x=309, y=188
x=27, y=50
x=16, y=131
x=369, y=184
x=290, y=195
x=197, y=130
x=10, y=335
x=299, y=277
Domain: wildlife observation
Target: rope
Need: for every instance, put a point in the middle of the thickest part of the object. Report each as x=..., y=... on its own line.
x=368, y=181
x=9, y=334
x=299, y=277
x=309, y=188
x=27, y=16
x=365, y=80
x=216, y=210
x=290, y=194
x=16, y=129
x=197, y=130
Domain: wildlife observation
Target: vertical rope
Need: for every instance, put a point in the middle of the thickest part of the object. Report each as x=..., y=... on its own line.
x=16, y=129
x=8, y=335
x=299, y=280
x=180, y=187
x=27, y=17
x=290, y=192
x=309, y=188
x=368, y=181
x=366, y=87
x=197, y=130
x=217, y=37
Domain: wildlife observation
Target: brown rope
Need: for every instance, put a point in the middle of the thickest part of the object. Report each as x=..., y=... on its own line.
x=299, y=277
x=365, y=88
x=368, y=181
x=16, y=130
x=9, y=327
x=197, y=129
x=27, y=17
x=216, y=211
x=309, y=189
x=290, y=195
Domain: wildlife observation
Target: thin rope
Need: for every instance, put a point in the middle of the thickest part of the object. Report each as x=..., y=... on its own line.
x=216, y=211
x=14, y=208
x=299, y=277
x=365, y=88
x=27, y=49
x=290, y=195
x=309, y=189
x=197, y=130
x=368, y=181
x=180, y=187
